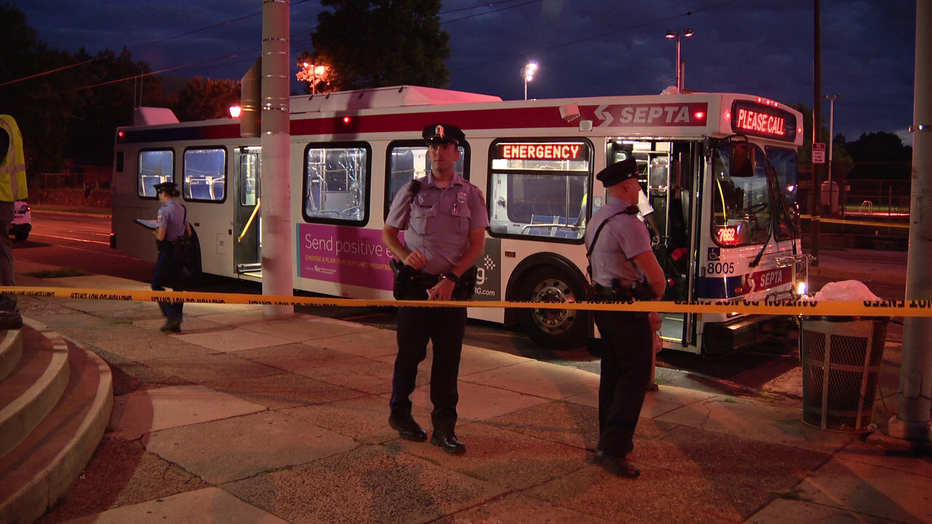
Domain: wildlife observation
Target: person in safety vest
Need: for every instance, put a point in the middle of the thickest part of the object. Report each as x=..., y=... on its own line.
x=12, y=188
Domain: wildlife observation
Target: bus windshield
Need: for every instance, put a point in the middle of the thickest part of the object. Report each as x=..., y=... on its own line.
x=741, y=196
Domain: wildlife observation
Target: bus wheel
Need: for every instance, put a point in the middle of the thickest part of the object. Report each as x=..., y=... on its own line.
x=552, y=328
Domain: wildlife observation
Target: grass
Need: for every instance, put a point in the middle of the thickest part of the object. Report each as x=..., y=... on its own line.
x=58, y=273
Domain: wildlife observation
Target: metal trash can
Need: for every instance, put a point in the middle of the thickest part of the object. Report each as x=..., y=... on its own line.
x=841, y=358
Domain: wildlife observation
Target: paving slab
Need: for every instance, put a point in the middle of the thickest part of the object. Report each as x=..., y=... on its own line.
x=121, y=473
x=231, y=339
x=480, y=402
x=871, y=490
x=197, y=368
x=510, y=459
x=142, y=412
x=371, y=343
x=304, y=328
x=206, y=506
x=658, y=495
x=239, y=447
x=755, y=420
x=781, y=511
x=721, y=457
x=523, y=509
x=283, y=390
x=145, y=345
x=364, y=418
x=339, y=369
x=538, y=378
x=368, y=484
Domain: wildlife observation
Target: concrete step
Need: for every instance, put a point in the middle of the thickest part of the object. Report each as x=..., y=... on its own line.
x=11, y=349
x=33, y=386
x=41, y=468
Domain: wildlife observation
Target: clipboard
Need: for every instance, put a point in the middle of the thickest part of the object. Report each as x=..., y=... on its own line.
x=151, y=224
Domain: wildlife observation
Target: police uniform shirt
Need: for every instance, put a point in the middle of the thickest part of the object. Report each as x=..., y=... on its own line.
x=438, y=220
x=171, y=218
x=623, y=238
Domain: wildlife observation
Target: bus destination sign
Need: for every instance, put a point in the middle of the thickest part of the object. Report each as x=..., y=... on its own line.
x=752, y=118
x=543, y=151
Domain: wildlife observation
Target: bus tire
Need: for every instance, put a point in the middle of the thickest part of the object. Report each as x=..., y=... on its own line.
x=559, y=329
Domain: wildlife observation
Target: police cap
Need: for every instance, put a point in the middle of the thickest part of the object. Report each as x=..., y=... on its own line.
x=618, y=172
x=170, y=188
x=443, y=134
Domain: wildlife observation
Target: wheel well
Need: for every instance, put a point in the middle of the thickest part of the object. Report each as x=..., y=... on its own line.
x=533, y=262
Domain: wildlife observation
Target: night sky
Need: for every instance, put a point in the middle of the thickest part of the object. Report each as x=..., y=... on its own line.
x=583, y=47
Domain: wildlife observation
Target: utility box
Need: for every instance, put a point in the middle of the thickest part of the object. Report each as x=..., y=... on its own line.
x=841, y=359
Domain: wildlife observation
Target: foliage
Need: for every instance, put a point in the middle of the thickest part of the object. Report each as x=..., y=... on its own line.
x=203, y=99
x=316, y=75
x=879, y=156
x=376, y=43
x=842, y=164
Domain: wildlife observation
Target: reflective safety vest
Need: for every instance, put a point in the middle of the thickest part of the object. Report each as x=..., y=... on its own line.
x=13, y=167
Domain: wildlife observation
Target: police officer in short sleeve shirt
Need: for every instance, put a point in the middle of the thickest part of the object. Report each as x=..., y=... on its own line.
x=622, y=254
x=170, y=224
x=444, y=218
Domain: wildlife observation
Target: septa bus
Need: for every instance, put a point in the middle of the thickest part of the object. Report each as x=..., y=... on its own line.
x=719, y=169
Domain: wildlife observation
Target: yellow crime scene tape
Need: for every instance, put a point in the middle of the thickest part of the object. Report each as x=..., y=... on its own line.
x=878, y=308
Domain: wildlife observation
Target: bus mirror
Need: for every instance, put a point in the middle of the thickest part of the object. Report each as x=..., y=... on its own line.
x=742, y=160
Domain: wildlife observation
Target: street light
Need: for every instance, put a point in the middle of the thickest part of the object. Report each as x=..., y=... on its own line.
x=528, y=73
x=313, y=74
x=831, y=139
x=679, y=63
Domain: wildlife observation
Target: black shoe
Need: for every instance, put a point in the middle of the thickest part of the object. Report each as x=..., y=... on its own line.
x=407, y=428
x=618, y=466
x=171, y=327
x=448, y=442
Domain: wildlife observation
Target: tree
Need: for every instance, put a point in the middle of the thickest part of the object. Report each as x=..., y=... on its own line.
x=376, y=43
x=880, y=155
x=203, y=99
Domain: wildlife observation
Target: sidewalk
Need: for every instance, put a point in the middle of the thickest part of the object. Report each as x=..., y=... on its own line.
x=242, y=419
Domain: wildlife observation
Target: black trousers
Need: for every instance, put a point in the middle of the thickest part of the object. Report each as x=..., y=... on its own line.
x=444, y=327
x=168, y=273
x=626, y=367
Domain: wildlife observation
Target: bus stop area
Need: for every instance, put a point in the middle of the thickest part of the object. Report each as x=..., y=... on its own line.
x=242, y=419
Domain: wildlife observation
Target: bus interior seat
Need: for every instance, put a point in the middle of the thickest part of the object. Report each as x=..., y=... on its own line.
x=546, y=231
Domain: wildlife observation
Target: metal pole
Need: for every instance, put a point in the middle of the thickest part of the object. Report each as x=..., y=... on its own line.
x=912, y=419
x=525, y=85
x=679, y=66
x=275, y=189
x=831, y=142
x=816, y=135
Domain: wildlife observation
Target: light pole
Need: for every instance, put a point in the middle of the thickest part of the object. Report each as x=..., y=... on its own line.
x=831, y=139
x=528, y=73
x=679, y=63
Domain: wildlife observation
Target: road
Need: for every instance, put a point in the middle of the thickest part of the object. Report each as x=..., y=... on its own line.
x=82, y=242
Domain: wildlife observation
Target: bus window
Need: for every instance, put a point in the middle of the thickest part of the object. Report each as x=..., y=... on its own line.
x=538, y=188
x=407, y=162
x=336, y=184
x=205, y=174
x=786, y=170
x=741, y=203
x=155, y=167
x=249, y=169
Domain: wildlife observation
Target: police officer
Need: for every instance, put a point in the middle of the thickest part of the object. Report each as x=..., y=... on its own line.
x=170, y=224
x=623, y=267
x=12, y=188
x=444, y=219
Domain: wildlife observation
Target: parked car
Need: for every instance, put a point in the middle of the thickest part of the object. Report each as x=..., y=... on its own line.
x=22, y=221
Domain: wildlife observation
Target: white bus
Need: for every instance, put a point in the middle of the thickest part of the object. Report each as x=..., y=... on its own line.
x=719, y=169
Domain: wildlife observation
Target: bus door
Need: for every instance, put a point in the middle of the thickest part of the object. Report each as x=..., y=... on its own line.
x=247, y=230
x=668, y=175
